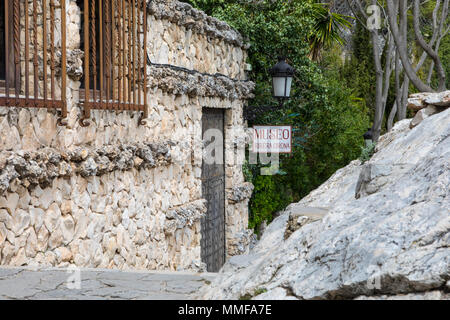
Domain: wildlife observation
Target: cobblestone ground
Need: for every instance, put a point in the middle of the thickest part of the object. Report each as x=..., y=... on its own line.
x=96, y=284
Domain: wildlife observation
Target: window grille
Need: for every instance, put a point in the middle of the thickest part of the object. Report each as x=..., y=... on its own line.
x=114, y=42
x=22, y=82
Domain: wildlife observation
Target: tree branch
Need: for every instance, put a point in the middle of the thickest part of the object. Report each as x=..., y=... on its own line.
x=388, y=69
x=427, y=48
x=400, y=42
x=356, y=15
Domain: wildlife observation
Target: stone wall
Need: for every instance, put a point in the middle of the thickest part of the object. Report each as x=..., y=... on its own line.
x=116, y=194
x=195, y=40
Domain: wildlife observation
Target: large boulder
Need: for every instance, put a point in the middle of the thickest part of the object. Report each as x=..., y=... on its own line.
x=427, y=104
x=418, y=101
x=393, y=241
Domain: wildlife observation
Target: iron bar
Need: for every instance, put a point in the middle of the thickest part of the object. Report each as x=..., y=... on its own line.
x=145, y=113
x=144, y=48
x=133, y=30
x=139, y=26
x=52, y=50
x=128, y=54
x=32, y=46
x=122, y=30
x=7, y=51
x=17, y=50
x=100, y=22
x=94, y=49
x=124, y=45
x=62, y=120
x=113, y=54
x=119, y=57
x=35, y=54
x=86, y=112
x=107, y=19
x=44, y=35
x=27, y=55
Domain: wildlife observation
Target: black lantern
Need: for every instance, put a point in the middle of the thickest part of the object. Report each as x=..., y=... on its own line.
x=368, y=137
x=282, y=74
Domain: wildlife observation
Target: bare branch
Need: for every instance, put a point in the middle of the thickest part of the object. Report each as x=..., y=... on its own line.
x=390, y=121
x=388, y=68
x=361, y=9
x=400, y=40
x=435, y=12
x=356, y=14
x=427, y=48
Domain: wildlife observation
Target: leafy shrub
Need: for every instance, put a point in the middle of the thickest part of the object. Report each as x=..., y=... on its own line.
x=367, y=152
x=328, y=121
x=269, y=196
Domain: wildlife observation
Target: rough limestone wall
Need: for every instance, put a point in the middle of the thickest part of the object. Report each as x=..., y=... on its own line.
x=116, y=194
x=194, y=40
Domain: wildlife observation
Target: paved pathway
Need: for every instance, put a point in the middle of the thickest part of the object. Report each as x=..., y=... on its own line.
x=28, y=283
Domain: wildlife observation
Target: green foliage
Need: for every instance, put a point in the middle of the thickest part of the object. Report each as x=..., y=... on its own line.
x=249, y=296
x=209, y=6
x=327, y=118
x=269, y=197
x=327, y=29
x=260, y=291
x=367, y=152
x=444, y=53
x=444, y=49
x=355, y=73
x=246, y=170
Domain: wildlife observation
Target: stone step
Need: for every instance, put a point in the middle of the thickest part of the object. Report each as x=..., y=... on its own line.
x=98, y=284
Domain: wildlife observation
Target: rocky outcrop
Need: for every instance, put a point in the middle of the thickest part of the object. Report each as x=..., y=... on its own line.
x=41, y=167
x=241, y=193
x=185, y=215
x=418, y=101
x=75, y=64
x=181, y=81
x=300, y=216
x=239, y=243
x=392, y=242
x=430, y=295
x=427, y=104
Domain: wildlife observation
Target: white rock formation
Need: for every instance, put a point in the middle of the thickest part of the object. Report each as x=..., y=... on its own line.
x=393, y=242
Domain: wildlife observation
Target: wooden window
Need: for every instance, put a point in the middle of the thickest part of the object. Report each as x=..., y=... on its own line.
x=114, y=40
x=33, y=86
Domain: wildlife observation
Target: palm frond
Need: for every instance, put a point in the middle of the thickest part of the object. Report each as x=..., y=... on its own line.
x=327, y=29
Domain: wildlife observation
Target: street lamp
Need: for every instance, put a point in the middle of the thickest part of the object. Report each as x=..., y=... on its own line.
x=368, y=137
x=282, y=74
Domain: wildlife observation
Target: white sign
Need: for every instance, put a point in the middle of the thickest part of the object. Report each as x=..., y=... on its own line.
x=272, y=139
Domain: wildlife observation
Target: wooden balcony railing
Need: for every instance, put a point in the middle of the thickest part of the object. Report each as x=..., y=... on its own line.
x=114, y=77
x=24, y=84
